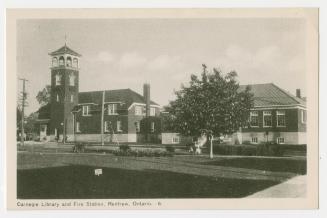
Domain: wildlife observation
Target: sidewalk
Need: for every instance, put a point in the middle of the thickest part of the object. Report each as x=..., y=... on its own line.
x=292, y=188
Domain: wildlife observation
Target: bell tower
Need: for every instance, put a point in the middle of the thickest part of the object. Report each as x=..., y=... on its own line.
x=64, y=92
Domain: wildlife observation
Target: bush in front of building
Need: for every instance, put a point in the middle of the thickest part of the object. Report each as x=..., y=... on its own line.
x=170, y=148
x=269, y=149
x=142, y=153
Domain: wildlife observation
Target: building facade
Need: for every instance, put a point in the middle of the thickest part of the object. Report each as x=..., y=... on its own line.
x=276, y=117
x=111, y=116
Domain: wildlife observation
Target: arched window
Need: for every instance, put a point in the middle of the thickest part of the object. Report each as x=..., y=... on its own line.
x=61, y=61
x=75, y=62
x=54, y=62
x=69, y=61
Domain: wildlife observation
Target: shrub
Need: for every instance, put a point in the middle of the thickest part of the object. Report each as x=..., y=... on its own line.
x=170, y=148
x=124, y=148
x=142, y=153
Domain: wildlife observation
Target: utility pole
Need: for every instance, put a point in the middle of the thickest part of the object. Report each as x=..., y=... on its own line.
x=22, y=112
x=102, y=117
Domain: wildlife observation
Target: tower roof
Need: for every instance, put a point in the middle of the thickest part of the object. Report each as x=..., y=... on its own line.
x=65, y=50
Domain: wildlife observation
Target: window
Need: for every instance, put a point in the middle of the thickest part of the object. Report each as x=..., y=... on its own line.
x=254, y=140
x=54, y=62
x=58, y=80
x=69, y=62
x=303, y=116
x=267, y=121
x=61, y=61
x=86, y=110
x=152, y=127
x=280, y=118
x=75, y=62
x=138, y=110
x=119, y=127
x=112, y=109
x=176, y=139
x=152, y=111
x=254, y=119
x=78, y=127
x=57, y=98
x=72, y=80
x=137, y=126
x=280, y=140
x=106, y=127
x=72, y=98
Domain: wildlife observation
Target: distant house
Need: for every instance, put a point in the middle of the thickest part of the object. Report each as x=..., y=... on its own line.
x=277, y=116
x=77, y=116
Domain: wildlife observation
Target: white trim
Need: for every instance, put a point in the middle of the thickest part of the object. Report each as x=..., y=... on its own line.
x=273, y=107
x=141, y=104
x=87, y=104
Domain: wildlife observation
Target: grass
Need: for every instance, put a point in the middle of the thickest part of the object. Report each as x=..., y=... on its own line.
x=298, y=166
x=79, y=182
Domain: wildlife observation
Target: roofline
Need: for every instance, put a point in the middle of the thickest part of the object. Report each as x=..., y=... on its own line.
x=279, y=106
x=142, y=104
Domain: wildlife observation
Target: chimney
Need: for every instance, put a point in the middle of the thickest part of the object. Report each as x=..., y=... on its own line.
x=298, y=93
x=146, y=96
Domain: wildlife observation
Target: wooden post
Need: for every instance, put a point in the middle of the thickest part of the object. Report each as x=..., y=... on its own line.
x=102, y=117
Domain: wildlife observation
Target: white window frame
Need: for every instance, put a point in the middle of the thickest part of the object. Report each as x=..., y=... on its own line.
x=72, y=80
x=58, y=80
x=106, y=129
x=137, y=126
x=57, y=98
x=279, y=139
x=72, y=98
x=266, y=114
x=152, y=111
x=86, y=110
x=78, y=127
x=152, y=127
x=119, y=126
x=254, y=140
x=302, y=116
x=254, y=114
x=280, y=113
x=112, y=109
x=138, y=110
x=174, y=141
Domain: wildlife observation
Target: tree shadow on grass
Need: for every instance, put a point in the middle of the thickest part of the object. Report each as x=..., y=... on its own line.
x=79, y=182
x=298, y=166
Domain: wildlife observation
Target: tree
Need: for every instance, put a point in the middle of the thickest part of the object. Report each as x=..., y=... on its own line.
x=213, y=102
x=43, y=96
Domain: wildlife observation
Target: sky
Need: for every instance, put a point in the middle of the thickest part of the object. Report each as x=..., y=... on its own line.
x=125, y=53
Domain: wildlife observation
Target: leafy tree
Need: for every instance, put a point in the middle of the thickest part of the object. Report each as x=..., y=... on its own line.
x=212, y=102
x=43, y=96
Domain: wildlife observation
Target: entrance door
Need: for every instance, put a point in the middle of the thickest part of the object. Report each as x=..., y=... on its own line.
x=43, y=131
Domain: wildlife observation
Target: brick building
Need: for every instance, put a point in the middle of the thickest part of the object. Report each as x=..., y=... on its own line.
x=277, y=116
x=126, y=116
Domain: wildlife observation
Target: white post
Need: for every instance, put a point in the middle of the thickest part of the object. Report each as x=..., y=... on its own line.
x=102, y=116
x=211, y=147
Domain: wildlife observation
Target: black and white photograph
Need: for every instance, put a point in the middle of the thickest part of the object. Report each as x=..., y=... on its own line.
x=136, y=111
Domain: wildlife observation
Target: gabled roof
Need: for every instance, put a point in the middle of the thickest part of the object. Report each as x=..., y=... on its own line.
x=271, y=95
x=65, y=50
x=125, y=96
x=44, y=112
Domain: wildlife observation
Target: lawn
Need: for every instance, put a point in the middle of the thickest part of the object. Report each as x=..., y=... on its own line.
x=298, y=166
x=79, y=182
